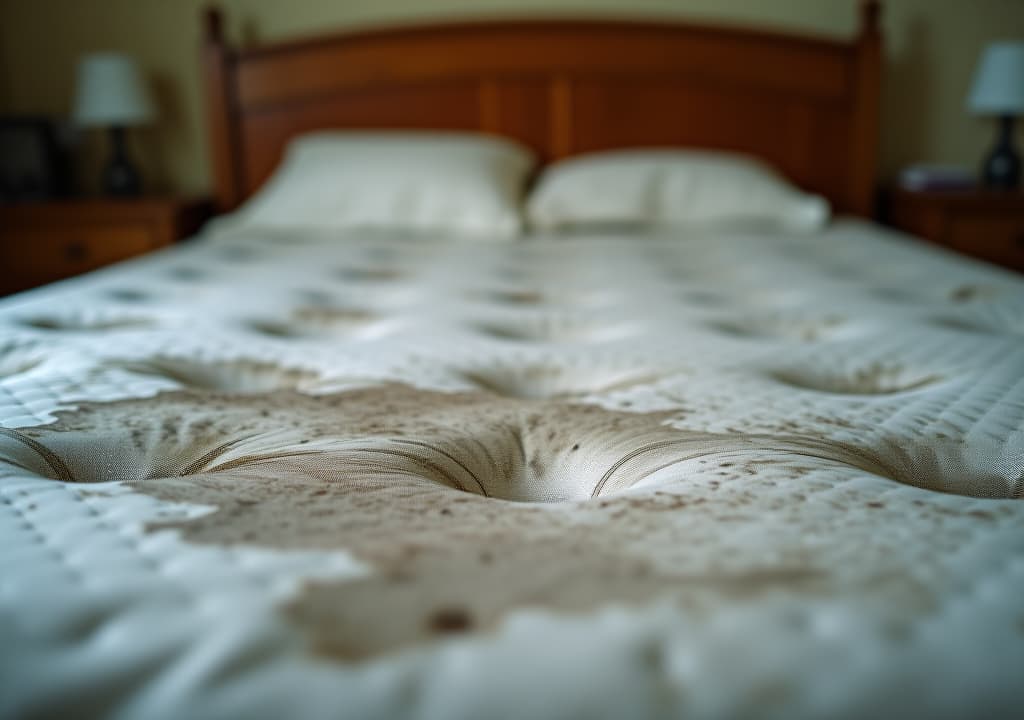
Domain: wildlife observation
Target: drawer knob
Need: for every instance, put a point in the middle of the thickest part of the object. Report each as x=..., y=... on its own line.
x=76, y=251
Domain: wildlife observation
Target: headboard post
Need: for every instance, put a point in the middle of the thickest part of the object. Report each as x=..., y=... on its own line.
x=866, y=129
x=220, y=116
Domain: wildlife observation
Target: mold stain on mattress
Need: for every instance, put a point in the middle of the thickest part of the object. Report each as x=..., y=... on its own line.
x=227, y=376
x=973, y=293
x=421, y=486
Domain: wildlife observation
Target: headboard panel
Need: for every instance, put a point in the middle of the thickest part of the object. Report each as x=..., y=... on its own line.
x=809, y=106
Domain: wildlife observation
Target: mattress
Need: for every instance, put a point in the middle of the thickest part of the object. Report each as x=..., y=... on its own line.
x=730, y=474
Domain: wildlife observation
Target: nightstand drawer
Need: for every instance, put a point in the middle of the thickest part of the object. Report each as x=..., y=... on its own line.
x=46, y=253
x=987, y=224
x=42, y=242
x=993, y=237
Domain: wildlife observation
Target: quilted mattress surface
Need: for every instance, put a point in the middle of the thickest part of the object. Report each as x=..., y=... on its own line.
x=272, y=475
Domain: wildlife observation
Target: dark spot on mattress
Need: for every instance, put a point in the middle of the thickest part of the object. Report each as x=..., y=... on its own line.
x=450, y=620
x=968, y=293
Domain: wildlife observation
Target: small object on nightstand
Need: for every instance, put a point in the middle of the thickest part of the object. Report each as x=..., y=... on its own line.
x=112, y=94
x=986, y=224
x=43, y=242
x=936, y=177
x=998, y=89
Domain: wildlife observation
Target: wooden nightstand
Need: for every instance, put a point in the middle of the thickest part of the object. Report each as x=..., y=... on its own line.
x=43, y=242
x=986, y=224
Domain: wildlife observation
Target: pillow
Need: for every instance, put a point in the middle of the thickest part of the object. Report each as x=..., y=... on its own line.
x=430, y=181
x=659, y=187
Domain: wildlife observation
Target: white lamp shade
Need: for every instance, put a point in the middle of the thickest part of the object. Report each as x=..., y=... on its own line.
x=111, y=91
x=998, y=87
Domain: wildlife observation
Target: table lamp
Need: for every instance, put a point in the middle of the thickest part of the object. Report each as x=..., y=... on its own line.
x=998, y=89
x=111, y=94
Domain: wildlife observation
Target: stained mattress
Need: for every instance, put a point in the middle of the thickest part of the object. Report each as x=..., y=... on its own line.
x=272, y=474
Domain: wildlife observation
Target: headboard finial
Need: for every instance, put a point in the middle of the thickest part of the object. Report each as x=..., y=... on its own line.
x=870, y=13
x=213, y=23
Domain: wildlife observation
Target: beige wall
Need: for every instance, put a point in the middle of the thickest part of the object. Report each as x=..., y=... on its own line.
x=931, y=48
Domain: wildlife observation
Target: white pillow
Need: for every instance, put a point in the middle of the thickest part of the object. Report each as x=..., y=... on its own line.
x=430, y=181
x=659, y=187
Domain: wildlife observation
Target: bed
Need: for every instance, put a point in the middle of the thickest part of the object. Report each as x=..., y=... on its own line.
x=598, y=473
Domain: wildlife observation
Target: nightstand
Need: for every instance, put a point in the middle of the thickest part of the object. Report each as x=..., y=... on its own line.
x=43, y=242
x=986, y=224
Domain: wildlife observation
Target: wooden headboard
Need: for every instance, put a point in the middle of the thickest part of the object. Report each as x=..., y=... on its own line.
x=809, y=106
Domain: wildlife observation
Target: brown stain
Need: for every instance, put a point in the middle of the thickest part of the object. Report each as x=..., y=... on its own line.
x=451, y=620
x=968, y=293
x=426, y=488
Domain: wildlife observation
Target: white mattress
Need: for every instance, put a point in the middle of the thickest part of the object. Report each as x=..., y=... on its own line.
x=725, y=475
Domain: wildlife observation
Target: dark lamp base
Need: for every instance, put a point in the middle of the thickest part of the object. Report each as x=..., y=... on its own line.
x=1001, y=170
x=120, y=177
